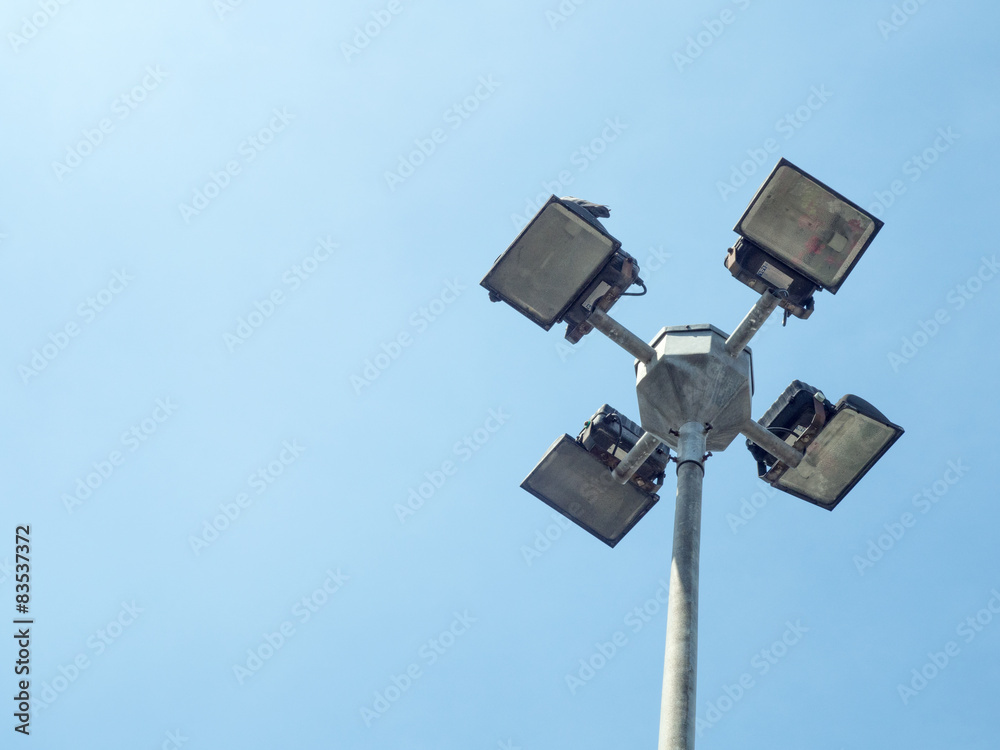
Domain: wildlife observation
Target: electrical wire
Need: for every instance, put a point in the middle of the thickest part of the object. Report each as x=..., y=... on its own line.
x=641, y=283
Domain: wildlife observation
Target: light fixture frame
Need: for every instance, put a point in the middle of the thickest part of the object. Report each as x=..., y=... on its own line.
x=605, y=486
x=824, y=414
x=602, y=287
x=772, y=252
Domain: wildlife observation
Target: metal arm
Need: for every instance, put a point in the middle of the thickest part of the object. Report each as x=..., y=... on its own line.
x=644, y=448
x=772, y=443
x=622, y=336
x=751, y=323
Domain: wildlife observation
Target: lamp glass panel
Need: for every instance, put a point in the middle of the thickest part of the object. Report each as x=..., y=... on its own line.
x=847, y=446
x=550, y=264
x=575, y=483
x=807, y=226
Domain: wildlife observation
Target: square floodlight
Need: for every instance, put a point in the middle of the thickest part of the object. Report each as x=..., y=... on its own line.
x=552, y=262
x=841, y=444
x=807, y=226
x=575, y=483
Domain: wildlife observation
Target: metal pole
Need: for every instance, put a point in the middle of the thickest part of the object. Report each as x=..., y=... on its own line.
x=622, y=336
x=751, y=323
x=677, y=708
x=643, y=449
x=772, y=443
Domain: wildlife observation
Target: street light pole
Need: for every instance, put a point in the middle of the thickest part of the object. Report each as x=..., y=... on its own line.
x=677, y=707
x=678, y=701
x=694, y=384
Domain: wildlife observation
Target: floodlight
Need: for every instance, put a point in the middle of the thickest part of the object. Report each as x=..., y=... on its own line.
x=575, y=477
x=562, y=265
x=798, y=236
x=841, y=443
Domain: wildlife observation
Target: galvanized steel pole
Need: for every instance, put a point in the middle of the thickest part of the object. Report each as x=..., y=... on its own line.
x=677, y=707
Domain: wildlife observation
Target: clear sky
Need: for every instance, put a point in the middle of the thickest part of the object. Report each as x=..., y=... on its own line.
x=267, y=431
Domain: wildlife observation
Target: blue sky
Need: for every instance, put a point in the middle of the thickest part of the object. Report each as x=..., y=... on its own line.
x=240, y=250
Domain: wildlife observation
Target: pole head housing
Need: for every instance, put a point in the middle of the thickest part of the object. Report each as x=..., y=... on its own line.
x=694, y=379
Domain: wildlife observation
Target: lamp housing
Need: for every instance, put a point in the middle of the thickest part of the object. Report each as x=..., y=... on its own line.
x=561, y=266
x=797, y=232
x=842, y=442
x=575, y=477
x=760, y=271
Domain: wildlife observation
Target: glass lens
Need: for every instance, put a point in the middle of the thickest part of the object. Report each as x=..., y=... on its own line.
x=807, y=226
x=584, y=490
x=549, y=265
x=839, y=457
